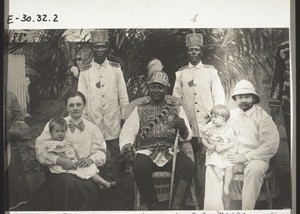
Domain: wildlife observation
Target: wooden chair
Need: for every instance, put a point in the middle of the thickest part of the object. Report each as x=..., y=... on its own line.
x=268, y=192
x=162, y=180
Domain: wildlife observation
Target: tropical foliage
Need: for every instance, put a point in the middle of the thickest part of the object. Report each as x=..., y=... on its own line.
x=236, y=53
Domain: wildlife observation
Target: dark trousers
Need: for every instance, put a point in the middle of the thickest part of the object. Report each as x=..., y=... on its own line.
x=117, y=164
x=144, y=167
x=199, y=175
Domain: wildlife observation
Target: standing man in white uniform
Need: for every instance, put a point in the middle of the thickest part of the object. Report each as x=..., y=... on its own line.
x=103, y=85
x=199, y=87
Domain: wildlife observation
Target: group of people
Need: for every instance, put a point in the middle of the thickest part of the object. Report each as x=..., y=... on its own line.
x=74, y=147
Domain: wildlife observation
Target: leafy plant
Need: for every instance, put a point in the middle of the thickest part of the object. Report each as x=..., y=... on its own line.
x=236, y=53
x=50, y=62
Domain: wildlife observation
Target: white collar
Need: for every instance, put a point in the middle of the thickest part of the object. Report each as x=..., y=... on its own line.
x=198, y=66
x=104, y=64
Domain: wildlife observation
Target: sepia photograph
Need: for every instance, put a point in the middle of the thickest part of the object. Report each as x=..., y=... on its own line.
x=208, y=109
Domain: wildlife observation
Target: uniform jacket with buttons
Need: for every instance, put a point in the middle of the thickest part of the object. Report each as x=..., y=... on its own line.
x=199, y=87
x=105, y=91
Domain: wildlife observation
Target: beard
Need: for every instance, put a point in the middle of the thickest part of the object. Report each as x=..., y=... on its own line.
x=245, y=106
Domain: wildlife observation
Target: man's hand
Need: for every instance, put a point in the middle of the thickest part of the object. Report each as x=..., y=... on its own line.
x=128, y=157
x=236, y=158
x=66, y=163
x=84, y=162
x=179, y=123
x=274, y=112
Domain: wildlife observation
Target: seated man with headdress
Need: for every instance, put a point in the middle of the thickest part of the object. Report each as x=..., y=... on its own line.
x=153, y=127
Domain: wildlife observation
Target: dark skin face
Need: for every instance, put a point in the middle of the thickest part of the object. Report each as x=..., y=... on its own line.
x=194, y=53
x=157, y=92
x=100, y=52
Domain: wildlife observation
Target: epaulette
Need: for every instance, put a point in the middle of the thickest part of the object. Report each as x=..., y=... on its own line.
x=86, y=67
x=183, y=67
x=208, y=66
x=114, y=64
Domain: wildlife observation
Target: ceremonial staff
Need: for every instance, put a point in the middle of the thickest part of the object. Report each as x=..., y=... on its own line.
x=173, y=168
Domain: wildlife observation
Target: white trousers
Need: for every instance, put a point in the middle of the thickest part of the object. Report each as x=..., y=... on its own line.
x=254, y=174
x=213, y=190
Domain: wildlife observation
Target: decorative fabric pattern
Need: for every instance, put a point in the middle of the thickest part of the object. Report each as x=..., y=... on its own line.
x=156, y=121
x=280, y=91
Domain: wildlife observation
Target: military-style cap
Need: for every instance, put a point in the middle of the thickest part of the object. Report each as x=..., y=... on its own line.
x=194, y=39
x=99, y=36
x=160, y=77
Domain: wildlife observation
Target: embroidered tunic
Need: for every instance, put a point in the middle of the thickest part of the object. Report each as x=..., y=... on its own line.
x=154, y=136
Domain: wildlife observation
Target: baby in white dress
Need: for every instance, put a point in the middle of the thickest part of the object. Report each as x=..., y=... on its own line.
x=62, y=148
x=219, y=138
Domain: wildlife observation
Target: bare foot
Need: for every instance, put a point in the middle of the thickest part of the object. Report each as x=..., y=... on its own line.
x=101, y=187
x=226, y=190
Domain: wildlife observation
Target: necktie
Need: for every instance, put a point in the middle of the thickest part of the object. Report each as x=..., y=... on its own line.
x=73, y=126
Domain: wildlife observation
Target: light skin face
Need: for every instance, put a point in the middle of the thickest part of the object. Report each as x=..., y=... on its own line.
x=58, y=132
x=100, y=52
x=217, y=120
x=157, y=92
x=75, y=107
x=194, y=54
x=245, y=101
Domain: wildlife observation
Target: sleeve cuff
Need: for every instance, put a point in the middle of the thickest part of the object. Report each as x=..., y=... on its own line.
x=126, y=148
x=98, y=161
